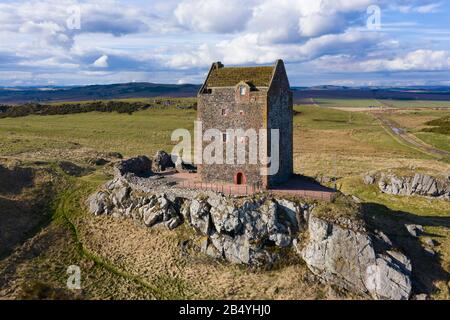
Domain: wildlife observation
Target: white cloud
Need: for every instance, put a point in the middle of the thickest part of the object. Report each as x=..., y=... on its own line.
x=178, y=39
x=213, y=15
x=247, y=49
x=421, y=8
x=417, y=60
x=101, y=62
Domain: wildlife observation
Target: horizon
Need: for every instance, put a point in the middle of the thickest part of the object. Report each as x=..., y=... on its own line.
x=199, y=84
x=359, y=43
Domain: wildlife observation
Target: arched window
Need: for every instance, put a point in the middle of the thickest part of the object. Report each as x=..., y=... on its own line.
x=239, y=178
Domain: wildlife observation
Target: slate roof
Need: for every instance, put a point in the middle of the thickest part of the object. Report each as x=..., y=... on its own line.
x=231, y=76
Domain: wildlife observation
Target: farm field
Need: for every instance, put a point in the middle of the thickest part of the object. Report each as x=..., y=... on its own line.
x=366, y=103
x=144, y=132
x=417, y=123
x=126, y=261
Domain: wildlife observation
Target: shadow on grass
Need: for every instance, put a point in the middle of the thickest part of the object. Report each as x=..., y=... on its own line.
x=426, y=267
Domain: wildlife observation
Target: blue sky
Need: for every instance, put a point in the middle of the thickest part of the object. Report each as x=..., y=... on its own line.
x=67, y=42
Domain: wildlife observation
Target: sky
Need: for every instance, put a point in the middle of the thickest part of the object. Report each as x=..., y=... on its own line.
x=322, y=42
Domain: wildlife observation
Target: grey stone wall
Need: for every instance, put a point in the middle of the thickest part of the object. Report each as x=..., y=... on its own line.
x=280, y=116
x=209, y=111
x=262, y=108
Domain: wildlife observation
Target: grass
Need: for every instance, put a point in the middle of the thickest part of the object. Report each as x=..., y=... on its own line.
x=436, y=140
x=333, y=142
x=143, y=132
x=348, y=103
x=390, y=214
x=118, y=258
x=427, y=125
x=416, y=103
x=366, y=103
x=173, y=101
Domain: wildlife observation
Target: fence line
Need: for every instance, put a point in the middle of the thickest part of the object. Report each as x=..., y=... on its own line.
x=244, y=190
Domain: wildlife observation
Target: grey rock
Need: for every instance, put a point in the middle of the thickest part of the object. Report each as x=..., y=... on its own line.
x=225, y=217
x=152, y=215
x=162, y=161
x=200, y=216
x=174, y=222
x=348, y=259
x=293, y=213
x=139, y=166
x=369, y=179
x=282, y=240
x=389, y=278
x=338, y=255
x=99, y=203
x=420, y=184
x=429, y=242
x=414, y=229
x=122, y=194
x=383, y=237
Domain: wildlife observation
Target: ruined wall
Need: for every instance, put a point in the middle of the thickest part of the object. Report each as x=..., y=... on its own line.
x=280, y=116
x=209, y=110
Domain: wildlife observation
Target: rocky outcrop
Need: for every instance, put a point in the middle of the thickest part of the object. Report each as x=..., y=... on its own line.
x=238, y=232
x=162, y=161
x=348, y=259
x=254, y=230
x=419, y=184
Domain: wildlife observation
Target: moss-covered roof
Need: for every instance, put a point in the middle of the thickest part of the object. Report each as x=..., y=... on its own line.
x=231, y=76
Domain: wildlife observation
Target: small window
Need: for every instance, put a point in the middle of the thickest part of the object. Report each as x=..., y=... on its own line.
x=241, y=112
x=242, y=90
x=224, y=112
x=224, y=137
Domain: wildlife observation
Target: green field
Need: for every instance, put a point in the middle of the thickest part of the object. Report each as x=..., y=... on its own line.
x=328, y=143
x=348, y=103
x=417, y=123
x=143, y=132
x=366, y=103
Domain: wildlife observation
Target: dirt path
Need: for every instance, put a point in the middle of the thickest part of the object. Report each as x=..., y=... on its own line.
x=314, y=103
x=408, y=138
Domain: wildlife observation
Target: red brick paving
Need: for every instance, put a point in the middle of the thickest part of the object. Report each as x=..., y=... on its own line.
x=296, y=186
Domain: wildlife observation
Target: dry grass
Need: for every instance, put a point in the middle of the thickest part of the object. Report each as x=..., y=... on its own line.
x=122, y=260
x=155, y=254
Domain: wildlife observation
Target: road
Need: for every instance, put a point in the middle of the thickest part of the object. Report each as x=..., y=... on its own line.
x=408, y=138
x=401, y=133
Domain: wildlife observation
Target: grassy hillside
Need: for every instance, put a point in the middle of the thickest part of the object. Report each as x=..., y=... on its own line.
x=144, y=132
x=430, y=126
x=121, y=260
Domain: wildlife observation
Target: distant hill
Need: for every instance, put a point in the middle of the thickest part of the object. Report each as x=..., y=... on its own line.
x=17, y=95
x=404, y=93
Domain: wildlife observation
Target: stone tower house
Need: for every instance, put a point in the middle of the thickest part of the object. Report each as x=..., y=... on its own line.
x=247, y=98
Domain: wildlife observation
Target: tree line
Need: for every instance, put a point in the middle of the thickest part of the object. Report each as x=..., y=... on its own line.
x=71, y=108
